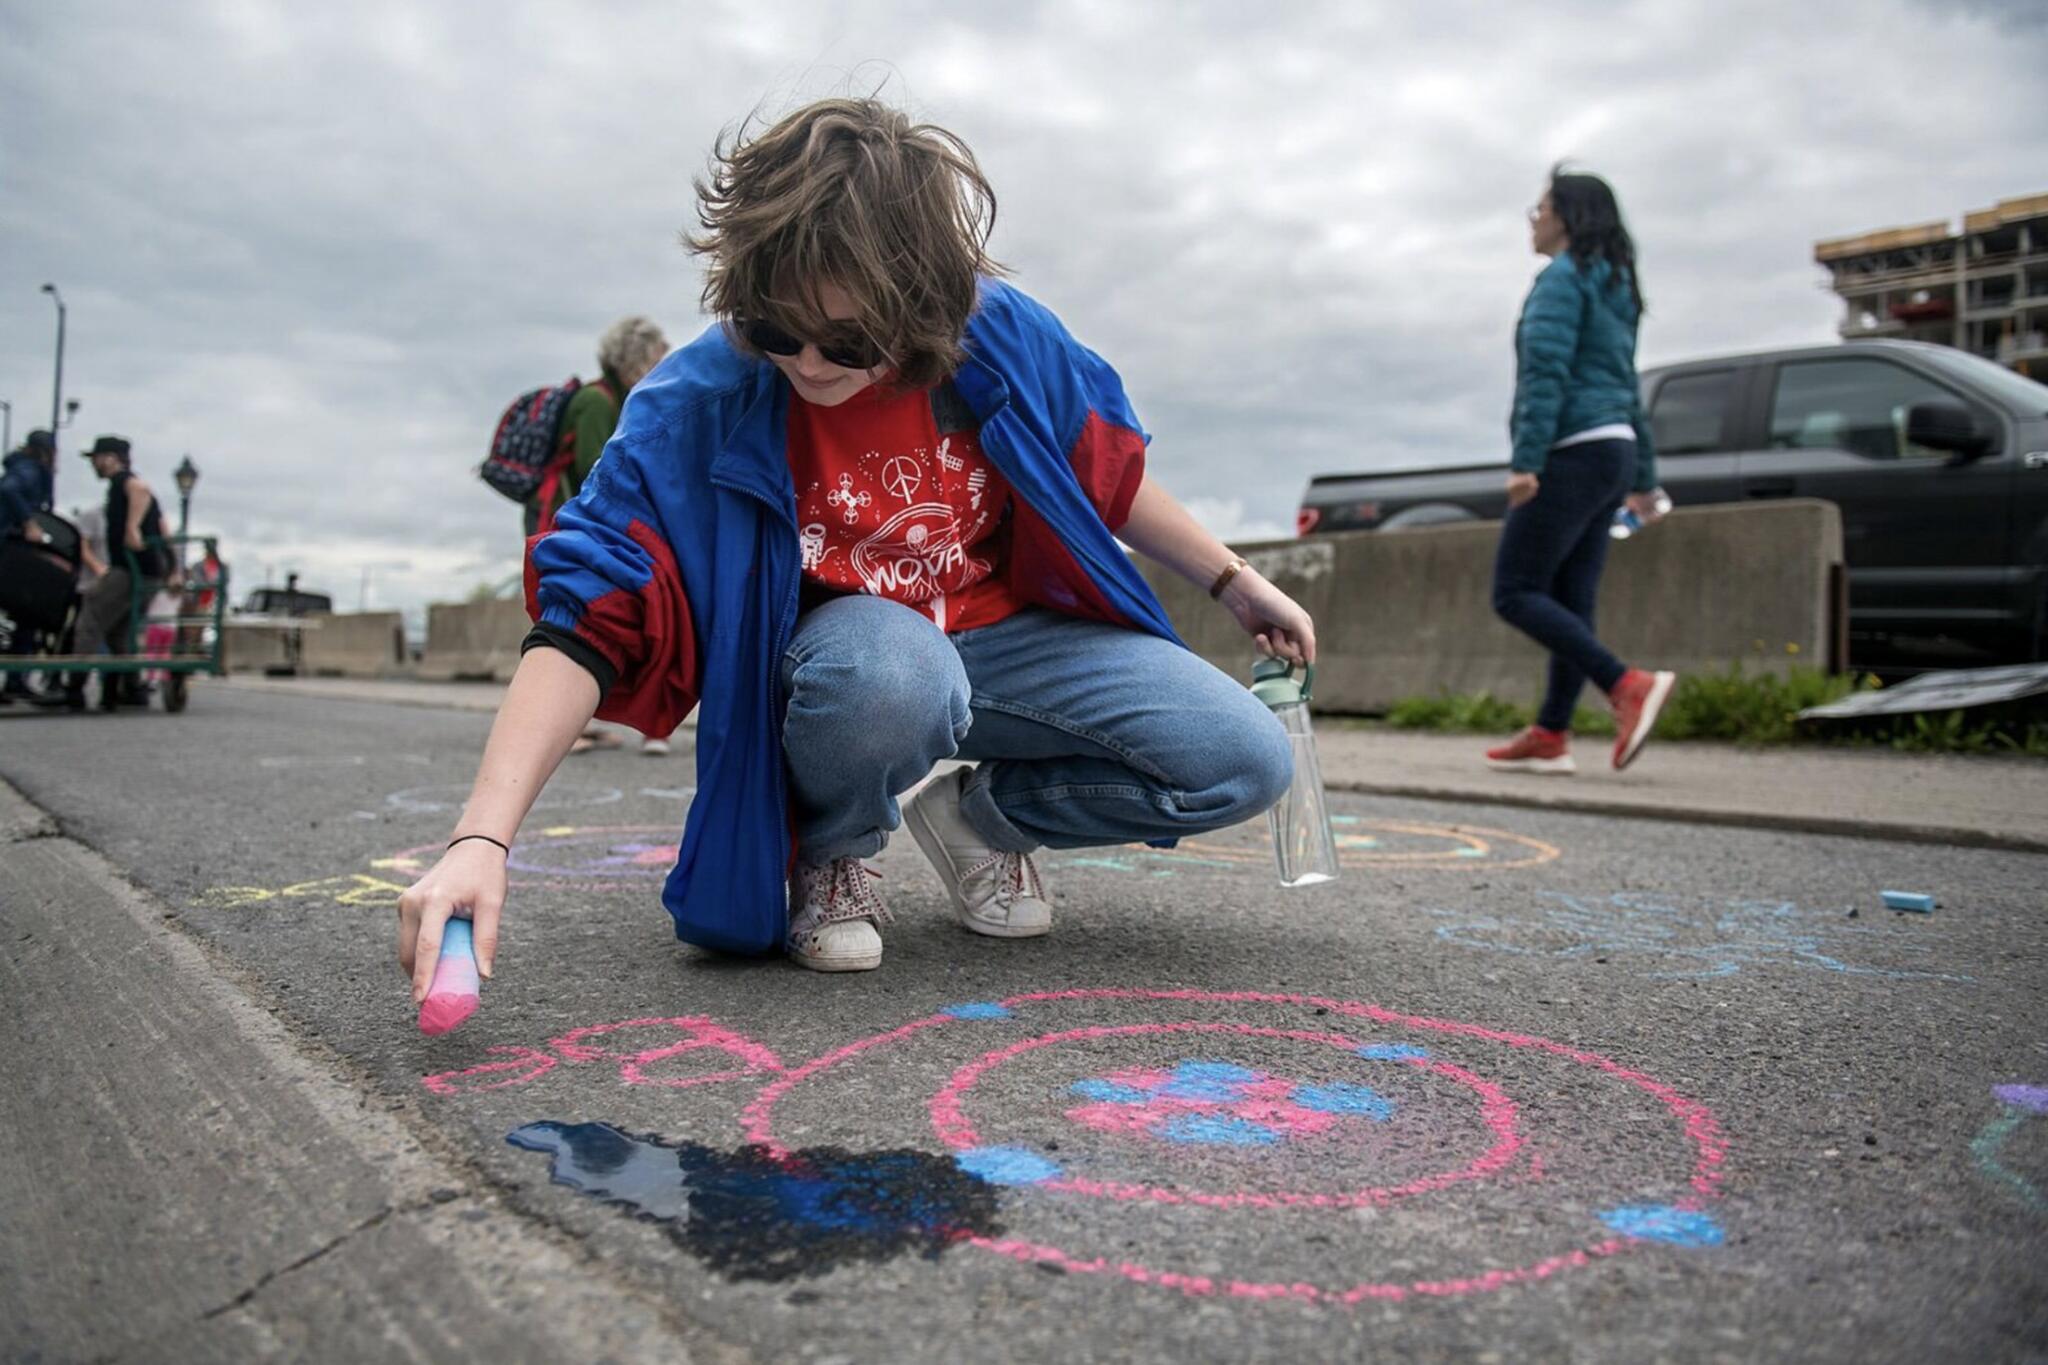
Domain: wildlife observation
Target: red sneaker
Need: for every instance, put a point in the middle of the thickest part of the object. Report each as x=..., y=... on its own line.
x=1637, y=699
x=1535, y=750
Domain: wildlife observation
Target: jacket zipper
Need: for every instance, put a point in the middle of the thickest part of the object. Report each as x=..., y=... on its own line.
x=783, y=626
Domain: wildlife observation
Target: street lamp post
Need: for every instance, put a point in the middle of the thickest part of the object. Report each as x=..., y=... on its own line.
x=6, y=424
x=57, y=388
x=186, y=474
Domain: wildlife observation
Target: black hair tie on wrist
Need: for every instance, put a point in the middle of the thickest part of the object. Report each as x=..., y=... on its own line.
x=485, y=837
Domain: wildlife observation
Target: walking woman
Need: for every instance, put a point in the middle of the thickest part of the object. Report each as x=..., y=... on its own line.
x=1581, y=448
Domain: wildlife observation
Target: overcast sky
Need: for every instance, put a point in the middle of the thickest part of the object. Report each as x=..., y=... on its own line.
x=320, y=247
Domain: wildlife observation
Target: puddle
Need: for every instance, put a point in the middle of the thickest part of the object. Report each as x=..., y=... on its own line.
x=751, y=1216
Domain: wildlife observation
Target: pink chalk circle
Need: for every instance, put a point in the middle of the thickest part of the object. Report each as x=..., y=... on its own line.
x=1496, y=1109
x=1697, y=1122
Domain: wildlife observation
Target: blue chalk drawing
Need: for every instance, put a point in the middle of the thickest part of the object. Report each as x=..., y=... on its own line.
x=1006, y=1165
x=978, y=1010
x=1392, y=1052
x=1663, y=1223
x=2022, y=1102
x=1224, y=1129
x=1708, y=938
x=1110, y=1092
x=1340, y=1098
x=1208, y=1082
x=1113, y=864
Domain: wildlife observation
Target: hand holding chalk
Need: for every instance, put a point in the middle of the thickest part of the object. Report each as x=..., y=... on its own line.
x=455, y=993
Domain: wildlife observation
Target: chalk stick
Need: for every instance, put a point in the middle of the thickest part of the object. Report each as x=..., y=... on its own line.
x=1908, y=900
x=454, y=995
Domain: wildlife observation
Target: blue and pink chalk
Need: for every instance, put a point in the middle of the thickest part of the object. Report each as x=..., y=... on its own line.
x=456, y=991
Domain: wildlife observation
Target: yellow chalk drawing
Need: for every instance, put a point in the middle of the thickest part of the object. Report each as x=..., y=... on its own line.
x=351, y=889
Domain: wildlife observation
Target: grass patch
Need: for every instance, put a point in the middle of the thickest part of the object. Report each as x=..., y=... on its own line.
x=1736, y=706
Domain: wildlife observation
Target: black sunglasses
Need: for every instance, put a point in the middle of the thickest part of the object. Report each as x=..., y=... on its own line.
x=772, y=340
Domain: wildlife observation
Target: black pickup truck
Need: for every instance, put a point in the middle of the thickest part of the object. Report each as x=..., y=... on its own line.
x=1938, y=460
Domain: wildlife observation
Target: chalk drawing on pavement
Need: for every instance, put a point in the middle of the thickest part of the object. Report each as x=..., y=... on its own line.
x=1194, y=1114
x=752, y=1216
x=447, y=798
x=1687, y=937
x=1361, y=844
x=549, y=858
x=2023, y=1104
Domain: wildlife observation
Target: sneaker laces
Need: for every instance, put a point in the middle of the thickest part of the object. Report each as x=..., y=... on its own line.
x=851, y=895
x=1016, y=877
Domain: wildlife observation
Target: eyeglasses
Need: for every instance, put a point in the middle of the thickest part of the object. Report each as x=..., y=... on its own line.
x=772, y=340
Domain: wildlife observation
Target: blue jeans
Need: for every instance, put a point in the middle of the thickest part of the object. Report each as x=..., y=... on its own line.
x=1085, y=733
x=1546, y=574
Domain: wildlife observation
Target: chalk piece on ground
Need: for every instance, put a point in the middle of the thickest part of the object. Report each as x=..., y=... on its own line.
x=1908, y=900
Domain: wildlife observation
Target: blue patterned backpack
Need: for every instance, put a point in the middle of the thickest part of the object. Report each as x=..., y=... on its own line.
x=523, y=460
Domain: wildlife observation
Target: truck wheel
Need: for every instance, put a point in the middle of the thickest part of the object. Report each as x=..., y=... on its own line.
x=174, y=693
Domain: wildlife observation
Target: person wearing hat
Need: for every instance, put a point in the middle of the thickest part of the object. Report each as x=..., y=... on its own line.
x=26, y=482
x=135, y=530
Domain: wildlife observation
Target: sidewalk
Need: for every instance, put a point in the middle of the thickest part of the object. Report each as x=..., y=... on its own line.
x=195, y=1181
x=1867, y=793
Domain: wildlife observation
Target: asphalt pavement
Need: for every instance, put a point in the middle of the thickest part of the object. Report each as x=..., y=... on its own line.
x=1524, y=1084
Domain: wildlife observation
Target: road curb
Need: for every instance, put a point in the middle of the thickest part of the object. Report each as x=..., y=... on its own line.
x=416, y=1257
x=1883, y=831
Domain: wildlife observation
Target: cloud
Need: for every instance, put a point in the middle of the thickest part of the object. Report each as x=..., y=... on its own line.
x=320, y=249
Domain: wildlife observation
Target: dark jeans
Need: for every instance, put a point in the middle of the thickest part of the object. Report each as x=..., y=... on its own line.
x=1547, y=572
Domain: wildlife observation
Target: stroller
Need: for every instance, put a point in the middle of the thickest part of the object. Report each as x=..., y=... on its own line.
x=39, y=587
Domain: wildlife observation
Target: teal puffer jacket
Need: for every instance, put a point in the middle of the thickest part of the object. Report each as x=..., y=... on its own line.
x=1575, y=364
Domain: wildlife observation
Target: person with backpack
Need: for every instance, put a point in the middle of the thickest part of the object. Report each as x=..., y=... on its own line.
x=571, y=424
x=27, y=476
x=628, y=349
x=871, y=520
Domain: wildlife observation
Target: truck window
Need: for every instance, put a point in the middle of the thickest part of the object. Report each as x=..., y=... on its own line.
x=1858, y=405
x=1690, y=412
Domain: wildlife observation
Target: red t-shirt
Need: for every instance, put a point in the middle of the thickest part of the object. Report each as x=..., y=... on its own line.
x=890, y=505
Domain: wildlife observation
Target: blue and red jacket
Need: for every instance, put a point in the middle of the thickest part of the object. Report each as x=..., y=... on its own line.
x=678, y=563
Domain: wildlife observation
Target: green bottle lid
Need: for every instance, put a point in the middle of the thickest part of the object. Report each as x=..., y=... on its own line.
x=1273, y=682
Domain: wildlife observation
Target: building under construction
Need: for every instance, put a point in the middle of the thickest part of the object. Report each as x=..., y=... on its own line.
x=1984, y=289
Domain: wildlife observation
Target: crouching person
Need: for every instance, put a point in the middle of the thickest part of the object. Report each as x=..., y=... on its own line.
x=867, y=523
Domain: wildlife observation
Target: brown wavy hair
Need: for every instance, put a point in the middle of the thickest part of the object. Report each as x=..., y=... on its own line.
x=849, y=192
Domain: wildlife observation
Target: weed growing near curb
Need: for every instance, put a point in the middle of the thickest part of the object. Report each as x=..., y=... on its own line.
x=1750, y=708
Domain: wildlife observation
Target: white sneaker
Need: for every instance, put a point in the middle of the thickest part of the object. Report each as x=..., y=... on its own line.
x=993, y=892
x=832, y=917
x=654, y=748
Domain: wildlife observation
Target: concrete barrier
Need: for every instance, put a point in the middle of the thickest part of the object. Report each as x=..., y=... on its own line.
x=1410, y=613
x=257, y=648
x=367, y=644
x=474, y=639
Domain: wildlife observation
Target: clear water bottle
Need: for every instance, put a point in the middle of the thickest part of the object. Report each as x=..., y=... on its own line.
x=1302, y=841
x=1626, y=523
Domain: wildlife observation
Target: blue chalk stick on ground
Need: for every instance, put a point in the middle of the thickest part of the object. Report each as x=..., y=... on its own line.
x=1908, y=900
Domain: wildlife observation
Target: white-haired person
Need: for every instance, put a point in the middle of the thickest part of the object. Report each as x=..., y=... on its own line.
x=628, y=349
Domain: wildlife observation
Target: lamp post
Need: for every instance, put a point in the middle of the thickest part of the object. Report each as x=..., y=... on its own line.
x=186, y=474
x=57, y=387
